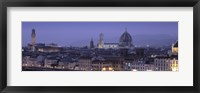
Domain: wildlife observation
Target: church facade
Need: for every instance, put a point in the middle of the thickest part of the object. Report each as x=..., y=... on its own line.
x=125, y=41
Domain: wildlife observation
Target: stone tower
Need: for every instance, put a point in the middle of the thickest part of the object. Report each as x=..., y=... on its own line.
x=100, y=43
x=33, y=39
x=92, y=44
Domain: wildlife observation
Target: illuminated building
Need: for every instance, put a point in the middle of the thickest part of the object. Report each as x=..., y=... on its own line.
x=120, y=56
x=174, y=64
x=49, y=49
x=125, y=41
x=111, y=45
x=166, y=63
x=108, y=64
x=107, y=69
x=100, y=43
x=98, y=65
x=175, y=48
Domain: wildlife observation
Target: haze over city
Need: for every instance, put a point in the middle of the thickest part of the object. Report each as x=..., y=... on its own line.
x=80, y=33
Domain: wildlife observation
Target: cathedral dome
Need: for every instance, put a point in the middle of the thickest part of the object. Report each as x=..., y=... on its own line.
x=125, y=37
x=125, y=40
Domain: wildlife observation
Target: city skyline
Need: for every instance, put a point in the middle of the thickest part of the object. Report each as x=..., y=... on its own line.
x=110, y=48
x=80, y=33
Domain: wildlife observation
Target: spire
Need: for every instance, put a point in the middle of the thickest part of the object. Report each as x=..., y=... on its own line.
x=91, y=43
x=33, y=32
x=33, y=39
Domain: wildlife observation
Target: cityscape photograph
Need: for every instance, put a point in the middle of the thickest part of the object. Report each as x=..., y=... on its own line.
x=100, y=46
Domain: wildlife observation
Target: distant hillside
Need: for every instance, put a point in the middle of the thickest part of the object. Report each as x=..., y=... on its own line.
x=154, y=40
x=141, y=40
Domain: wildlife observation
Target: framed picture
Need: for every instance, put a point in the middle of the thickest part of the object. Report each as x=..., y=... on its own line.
x=100, y=46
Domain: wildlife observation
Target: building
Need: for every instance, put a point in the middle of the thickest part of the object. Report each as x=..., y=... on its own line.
x=162, y=63
x=91, y=44
x=111, y=45
x=120, y=56
x=67, y=63
x=32, y=61
x=100, y=65
x=49, y=49
x=125, y=40
x=29, y=61
x=33, y=39
x=174, y=64
x=84, y=63
x=141, y=65
x=174, y=56
x=175, y=48
x=166, y=63
x=100, y=43
x=128, y=61
x=50, y=62
x=108, y=64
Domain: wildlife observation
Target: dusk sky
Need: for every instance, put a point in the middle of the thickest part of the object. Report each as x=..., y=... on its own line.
x=80, y=33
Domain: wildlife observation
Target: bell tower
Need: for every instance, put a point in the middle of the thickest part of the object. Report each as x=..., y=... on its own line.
x=100, y=44
x=33, y=39
x=91, y=43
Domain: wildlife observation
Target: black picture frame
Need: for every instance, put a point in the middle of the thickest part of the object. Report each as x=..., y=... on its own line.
x=98, y=3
